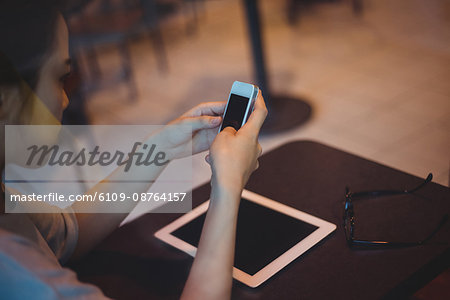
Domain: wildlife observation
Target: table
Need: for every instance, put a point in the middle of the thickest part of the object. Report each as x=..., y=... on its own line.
x=133, y=264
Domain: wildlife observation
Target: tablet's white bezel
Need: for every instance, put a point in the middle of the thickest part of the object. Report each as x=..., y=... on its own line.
x=324, y=229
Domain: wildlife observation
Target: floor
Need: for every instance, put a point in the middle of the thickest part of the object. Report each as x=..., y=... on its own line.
x=378, y=83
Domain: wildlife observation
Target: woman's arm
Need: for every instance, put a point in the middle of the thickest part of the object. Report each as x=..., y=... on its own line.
x=94, y=227
x=211, y=273
x=233, y=157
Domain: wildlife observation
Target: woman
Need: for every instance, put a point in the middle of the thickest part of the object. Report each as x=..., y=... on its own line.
x=34, y=42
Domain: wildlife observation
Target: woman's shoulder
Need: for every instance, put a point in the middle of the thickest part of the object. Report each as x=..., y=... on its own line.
x=28, y=271
x=55, y=231
x=60, y=229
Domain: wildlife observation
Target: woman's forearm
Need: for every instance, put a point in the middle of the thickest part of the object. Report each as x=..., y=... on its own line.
x=211, y=272
x=233, y=157
x=94, y=226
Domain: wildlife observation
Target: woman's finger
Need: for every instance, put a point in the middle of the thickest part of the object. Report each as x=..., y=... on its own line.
x=202, y=122
x=256, y=118
x=207, y=109
x=203, y=139
x=228, y=131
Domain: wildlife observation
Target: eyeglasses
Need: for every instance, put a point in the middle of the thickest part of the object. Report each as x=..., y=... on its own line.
x=349, y=217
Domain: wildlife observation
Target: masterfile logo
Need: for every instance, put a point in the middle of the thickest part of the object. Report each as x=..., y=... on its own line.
x=60, y=165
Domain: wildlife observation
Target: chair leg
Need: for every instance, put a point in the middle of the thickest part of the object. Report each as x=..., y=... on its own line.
x=128, y=71
x=160, y=49
x=191, y=24
x=357, y=6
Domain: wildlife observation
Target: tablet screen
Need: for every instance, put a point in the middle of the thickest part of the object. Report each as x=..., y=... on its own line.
x=262, y=235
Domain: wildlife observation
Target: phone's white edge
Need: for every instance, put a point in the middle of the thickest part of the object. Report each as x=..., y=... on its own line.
x=245, y=90
x=323, y=230
x=251, y=105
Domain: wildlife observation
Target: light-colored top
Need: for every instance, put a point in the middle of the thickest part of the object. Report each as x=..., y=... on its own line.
x=32, y=249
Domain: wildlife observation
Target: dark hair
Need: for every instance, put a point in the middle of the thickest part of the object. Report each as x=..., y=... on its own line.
x=27, y=34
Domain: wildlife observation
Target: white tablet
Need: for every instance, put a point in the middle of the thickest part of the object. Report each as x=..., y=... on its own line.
x=269, y=236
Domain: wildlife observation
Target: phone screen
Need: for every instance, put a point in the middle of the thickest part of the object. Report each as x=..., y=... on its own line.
x=235, y=112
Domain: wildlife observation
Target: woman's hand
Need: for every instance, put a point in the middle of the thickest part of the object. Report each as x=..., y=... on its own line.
x=233, y=155
x=199, y=125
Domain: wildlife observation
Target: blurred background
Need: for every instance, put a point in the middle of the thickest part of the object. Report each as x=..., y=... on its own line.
x=373, y=74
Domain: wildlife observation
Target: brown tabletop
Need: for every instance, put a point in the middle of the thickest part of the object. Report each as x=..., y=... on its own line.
x=133, y=264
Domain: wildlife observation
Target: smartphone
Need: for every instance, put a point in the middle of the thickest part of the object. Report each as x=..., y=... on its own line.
x=240, y=105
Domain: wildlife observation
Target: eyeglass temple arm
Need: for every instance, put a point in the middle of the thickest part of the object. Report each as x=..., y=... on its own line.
x=428, y=179
x=390, y=192
x=403, y=244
